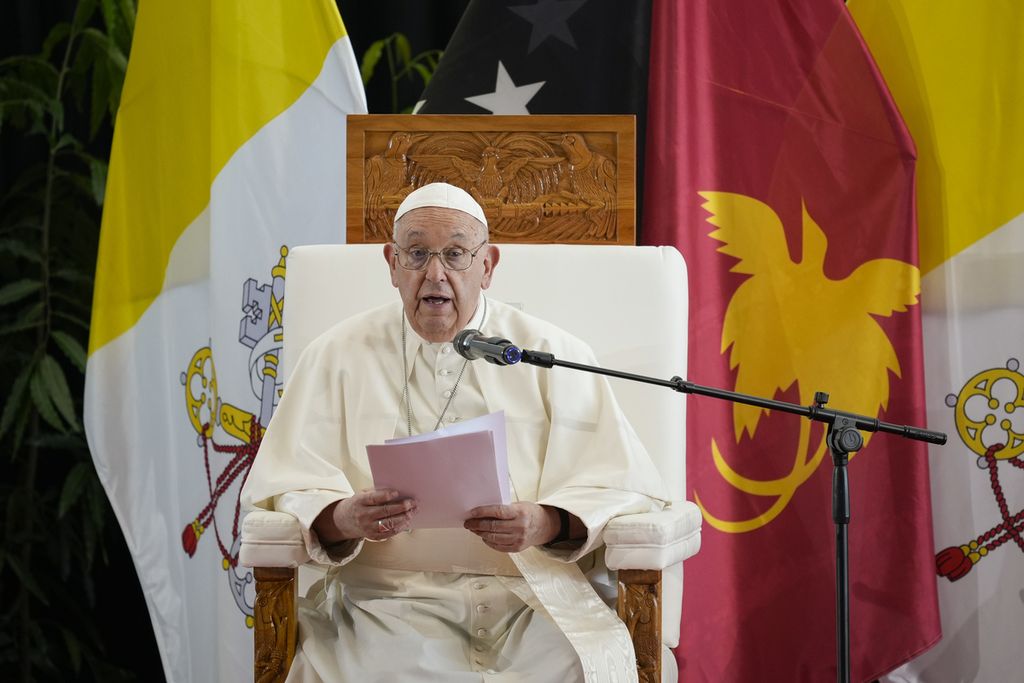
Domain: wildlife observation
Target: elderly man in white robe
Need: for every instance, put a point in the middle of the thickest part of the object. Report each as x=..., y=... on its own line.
x=507, y=598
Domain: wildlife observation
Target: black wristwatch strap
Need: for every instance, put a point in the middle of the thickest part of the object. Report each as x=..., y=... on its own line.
x=563, y=527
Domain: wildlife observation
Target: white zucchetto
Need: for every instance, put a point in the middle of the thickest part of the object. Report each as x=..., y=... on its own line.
x=444, y=196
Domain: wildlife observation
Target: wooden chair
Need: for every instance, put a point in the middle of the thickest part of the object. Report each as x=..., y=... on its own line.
x=641, y=292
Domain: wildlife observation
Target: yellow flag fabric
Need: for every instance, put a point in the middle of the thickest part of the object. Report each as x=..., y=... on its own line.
x=229, y=149
x=955, y=71
x=204, y=78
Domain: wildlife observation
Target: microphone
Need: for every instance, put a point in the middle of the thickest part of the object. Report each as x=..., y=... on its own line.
x=471, y=344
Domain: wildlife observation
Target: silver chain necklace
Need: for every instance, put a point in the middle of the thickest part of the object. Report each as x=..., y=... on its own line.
x=405, y=387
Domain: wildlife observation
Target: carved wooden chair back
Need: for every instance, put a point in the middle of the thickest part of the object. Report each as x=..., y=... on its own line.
x=567, y=179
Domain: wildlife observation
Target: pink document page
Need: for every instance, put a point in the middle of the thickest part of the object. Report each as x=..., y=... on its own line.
x=493, y=422
x=447, y=475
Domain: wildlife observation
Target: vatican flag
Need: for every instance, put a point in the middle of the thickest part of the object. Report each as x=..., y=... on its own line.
x=229, y=149
x=955, y=70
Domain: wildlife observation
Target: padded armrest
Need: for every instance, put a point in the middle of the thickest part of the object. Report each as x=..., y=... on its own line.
x=653, y=540
x=271, y=539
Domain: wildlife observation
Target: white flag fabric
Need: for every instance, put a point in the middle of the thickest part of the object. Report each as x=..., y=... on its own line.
x=956, y=73
x=229, y=149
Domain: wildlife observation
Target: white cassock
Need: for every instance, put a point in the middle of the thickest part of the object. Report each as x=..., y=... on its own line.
x=438, y=604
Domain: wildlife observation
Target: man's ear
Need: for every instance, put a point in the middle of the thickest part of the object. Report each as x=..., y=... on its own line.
x=389, y=256
x=490, y=263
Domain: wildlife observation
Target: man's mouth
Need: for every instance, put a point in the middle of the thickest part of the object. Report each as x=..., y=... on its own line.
x=436, y=300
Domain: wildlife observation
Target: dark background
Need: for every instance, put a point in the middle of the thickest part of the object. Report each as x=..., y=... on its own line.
x=122, y=617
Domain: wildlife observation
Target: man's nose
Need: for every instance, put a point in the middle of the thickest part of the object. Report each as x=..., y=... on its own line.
x=435, y=268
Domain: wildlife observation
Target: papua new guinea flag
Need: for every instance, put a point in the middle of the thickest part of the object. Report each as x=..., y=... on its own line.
x=779, y=166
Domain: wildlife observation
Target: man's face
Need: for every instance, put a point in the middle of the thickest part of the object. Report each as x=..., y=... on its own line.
x=438, y=302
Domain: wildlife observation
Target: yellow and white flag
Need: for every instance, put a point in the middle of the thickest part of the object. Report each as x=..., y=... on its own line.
x=229, y=149
x=956, y=72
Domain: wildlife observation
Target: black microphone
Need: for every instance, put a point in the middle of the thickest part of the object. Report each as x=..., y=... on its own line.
x=471, y=344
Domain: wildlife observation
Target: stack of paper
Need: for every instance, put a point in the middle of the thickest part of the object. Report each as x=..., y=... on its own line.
x=448, y=472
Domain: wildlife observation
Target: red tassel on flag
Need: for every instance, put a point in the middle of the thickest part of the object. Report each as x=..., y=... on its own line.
x=953, y=563
x=190, y=537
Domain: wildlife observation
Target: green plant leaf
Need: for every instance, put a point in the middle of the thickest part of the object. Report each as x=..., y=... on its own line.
x=66, y=140
x=74, y=484
x=27, y=580
x=22, y=99
x=15, y=398
x=98, y=179
x=33, y=69
x=20, y=326
x=56, y=385
x=71, y=348
x=20, y=249
x=111, y=15
x=128, y=15
x=41, y=398
x=72, y=299
x=71, y=318
x=83, y=13
x=21, y=422
x=403, y=48
x=98, y=99
x=33, y=313
x=100, y=96
x=74, y=648
x=116, y=58
x=57, y=34
x=423, y=71
x=370, y=59
x=16, y=291
x=73, y=276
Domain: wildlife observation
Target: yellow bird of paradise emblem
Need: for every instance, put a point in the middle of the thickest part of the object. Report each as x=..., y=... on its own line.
x=784, y=324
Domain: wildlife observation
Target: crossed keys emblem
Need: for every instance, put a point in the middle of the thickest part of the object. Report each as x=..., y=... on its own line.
x=989, y=415
x=227, y=464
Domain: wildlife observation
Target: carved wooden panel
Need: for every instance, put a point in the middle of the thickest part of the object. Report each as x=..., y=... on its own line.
x=538, y=178
x=276, y=626
x=639, y=606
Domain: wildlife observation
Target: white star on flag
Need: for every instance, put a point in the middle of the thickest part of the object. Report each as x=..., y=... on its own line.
x=507, y=98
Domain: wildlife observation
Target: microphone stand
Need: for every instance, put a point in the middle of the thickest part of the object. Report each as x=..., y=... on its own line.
x=843, y=437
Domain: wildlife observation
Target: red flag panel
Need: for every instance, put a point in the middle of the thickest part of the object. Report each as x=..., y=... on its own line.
x=779, y=166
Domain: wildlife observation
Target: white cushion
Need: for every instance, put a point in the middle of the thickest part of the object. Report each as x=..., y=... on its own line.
x=654, y=540
x=271, y=539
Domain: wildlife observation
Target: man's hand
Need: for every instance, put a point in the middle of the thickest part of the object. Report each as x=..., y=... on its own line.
x=375, y=514
x=515, y=527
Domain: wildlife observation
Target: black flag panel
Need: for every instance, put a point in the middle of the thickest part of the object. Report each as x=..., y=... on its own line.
x=546, y=57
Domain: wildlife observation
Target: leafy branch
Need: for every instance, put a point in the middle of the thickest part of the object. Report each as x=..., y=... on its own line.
x=55, y=510
x=401, y=64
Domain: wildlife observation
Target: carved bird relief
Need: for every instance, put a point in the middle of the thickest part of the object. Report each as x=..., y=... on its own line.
x=387, y=182
x=592, y=175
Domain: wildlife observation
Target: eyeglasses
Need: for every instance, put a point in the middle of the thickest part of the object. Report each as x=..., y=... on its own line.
x=452, y=258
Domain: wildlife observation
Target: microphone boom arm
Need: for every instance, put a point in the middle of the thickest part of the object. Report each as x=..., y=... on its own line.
x=816, y=412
